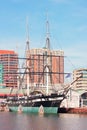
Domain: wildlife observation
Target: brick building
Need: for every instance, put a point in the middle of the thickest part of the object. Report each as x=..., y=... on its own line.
x=43, y=62
x=8, y=68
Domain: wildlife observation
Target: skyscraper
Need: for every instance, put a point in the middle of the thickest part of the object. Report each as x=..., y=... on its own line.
x=9, y=68
x=43, y=62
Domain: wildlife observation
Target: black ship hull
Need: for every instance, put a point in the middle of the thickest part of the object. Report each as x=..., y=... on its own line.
x=32, y=104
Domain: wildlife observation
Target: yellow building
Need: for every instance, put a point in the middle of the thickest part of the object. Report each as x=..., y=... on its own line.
x=81, y=83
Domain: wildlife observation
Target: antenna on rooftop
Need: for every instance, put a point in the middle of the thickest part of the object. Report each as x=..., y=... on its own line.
x=47, y=34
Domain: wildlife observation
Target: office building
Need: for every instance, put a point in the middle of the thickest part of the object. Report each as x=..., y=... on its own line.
x=8, y=68
x=45, y=64
x=81, y=76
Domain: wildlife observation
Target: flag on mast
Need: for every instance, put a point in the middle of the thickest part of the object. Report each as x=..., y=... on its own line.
x=68, y=75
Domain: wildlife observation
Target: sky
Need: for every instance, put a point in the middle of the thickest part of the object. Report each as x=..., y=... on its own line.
x=67, y=25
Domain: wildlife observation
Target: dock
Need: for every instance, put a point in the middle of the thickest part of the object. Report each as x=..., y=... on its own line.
x=79, y=110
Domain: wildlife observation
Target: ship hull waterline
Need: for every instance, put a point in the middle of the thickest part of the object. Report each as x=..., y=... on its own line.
x=33, y=107
x=33, y=104
x=47, y=110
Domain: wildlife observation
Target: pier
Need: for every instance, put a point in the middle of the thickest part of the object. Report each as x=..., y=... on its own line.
x=79, y=110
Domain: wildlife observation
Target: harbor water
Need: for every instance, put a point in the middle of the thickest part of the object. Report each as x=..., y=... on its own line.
x=24, y=121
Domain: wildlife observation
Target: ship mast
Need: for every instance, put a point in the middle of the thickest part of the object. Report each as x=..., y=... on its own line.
x=27, y=56
x=47, y=60
x=47, y=35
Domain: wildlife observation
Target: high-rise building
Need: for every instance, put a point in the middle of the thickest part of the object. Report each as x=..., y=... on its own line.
x=81, y=75
x=1, y=76
x=45, y=63
x=8, y=68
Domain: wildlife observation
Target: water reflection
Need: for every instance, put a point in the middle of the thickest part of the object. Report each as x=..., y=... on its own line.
x=14, y=121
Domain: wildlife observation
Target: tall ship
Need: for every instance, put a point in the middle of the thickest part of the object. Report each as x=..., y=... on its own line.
x=42, y=75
